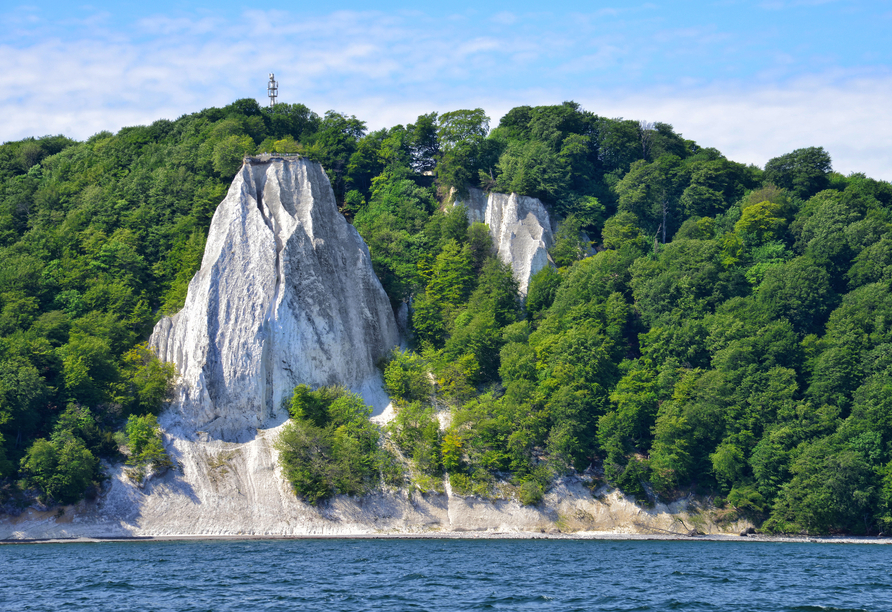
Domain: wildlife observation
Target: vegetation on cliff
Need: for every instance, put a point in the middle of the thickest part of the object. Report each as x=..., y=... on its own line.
x=730, y=334
x=330, y=446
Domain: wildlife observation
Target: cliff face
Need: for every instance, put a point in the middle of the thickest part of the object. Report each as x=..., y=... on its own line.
x=236, y=499
x=285, y=295
x=520, y=228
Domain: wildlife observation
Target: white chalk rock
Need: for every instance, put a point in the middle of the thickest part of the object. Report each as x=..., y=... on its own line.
x=520, y=228
x=285, y=295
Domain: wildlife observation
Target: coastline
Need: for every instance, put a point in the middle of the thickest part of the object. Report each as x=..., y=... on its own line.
x=465, y=535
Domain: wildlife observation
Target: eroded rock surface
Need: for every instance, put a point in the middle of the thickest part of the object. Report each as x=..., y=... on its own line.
x=520, y=228
x=286, y=295
x=227, y=501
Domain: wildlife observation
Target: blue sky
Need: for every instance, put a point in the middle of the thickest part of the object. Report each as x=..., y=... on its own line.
x=753, y=79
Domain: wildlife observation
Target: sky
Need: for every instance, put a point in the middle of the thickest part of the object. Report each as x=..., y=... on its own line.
x=754, y=79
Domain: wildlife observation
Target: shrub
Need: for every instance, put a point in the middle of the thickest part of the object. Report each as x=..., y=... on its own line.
x=416, y=432
x=461, y=484
x=747, y=499
x=406, y=377
x=530, y=493
x=330, y=446
x=144, y=441
x=62, y=468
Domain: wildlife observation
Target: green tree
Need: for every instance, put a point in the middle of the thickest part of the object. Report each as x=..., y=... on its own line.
x=330, y=447
x=804, y=172
x=449, y=286
x=147, y=382
x=424, y=142
x=461, y=137
x=568, y=244
x=6, y=466
x=542, y=290
x=798, y=290
x=622, y=229
x=144, y=440
x=228, y=154
x=62, y=469
x=830, y=488
x=533, y=169
x=761, y=222
x=407, y=377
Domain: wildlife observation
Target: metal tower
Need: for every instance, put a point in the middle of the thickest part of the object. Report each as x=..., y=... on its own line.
x=272, y=89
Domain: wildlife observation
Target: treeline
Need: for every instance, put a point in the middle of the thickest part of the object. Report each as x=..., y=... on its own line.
x=730, y=335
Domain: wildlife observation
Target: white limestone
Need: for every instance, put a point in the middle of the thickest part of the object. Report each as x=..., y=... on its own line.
x=229, y=489
x=286, y=295
x=520, y=228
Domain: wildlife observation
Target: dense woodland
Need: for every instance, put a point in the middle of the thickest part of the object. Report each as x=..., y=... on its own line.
x=727, y=331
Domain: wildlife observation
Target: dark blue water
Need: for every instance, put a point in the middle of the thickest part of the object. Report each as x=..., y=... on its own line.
x=404, y=575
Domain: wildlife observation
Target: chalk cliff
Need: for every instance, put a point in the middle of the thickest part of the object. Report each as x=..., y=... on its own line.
x=226, y=503
x=285, y=295
x=520, y=228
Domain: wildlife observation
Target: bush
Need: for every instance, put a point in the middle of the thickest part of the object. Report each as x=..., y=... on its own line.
x=629, y=481
x=461, y=484
x=530, y=493
x=144, y=441
x=330, y=446
x=416, y=432
x=407, y=377
x=747, y=499
x=62, y=468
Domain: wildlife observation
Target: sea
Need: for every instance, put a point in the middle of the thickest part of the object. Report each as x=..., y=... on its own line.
x=448, y=574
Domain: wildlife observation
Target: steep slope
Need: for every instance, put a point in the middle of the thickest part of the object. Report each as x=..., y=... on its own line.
x=520, y=228
x=286, y=294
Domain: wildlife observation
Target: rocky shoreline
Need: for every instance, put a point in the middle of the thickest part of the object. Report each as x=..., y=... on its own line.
x=486, y=535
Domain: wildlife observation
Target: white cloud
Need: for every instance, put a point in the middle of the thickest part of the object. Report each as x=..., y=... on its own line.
x=753, y=124
x=504, y=18
x=387, y=69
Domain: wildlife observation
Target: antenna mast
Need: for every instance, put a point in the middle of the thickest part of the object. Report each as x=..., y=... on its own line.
x=272, y=89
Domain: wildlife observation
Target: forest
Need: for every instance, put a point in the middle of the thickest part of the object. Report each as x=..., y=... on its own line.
x=707, y=326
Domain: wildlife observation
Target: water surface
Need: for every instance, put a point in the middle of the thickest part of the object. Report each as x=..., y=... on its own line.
x=405, y=575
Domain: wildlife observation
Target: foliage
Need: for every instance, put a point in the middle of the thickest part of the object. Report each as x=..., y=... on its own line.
x=530, y=493
x=330, y=447
x=146, y=382
x=804, y=171
x=407, y=378
x=145, y=444
x=568, y=244
x=416, y=431
x=62, y=468
x=729, y=334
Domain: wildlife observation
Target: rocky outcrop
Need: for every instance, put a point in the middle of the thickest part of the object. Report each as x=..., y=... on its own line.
x=520, y=228
x=285, y=295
